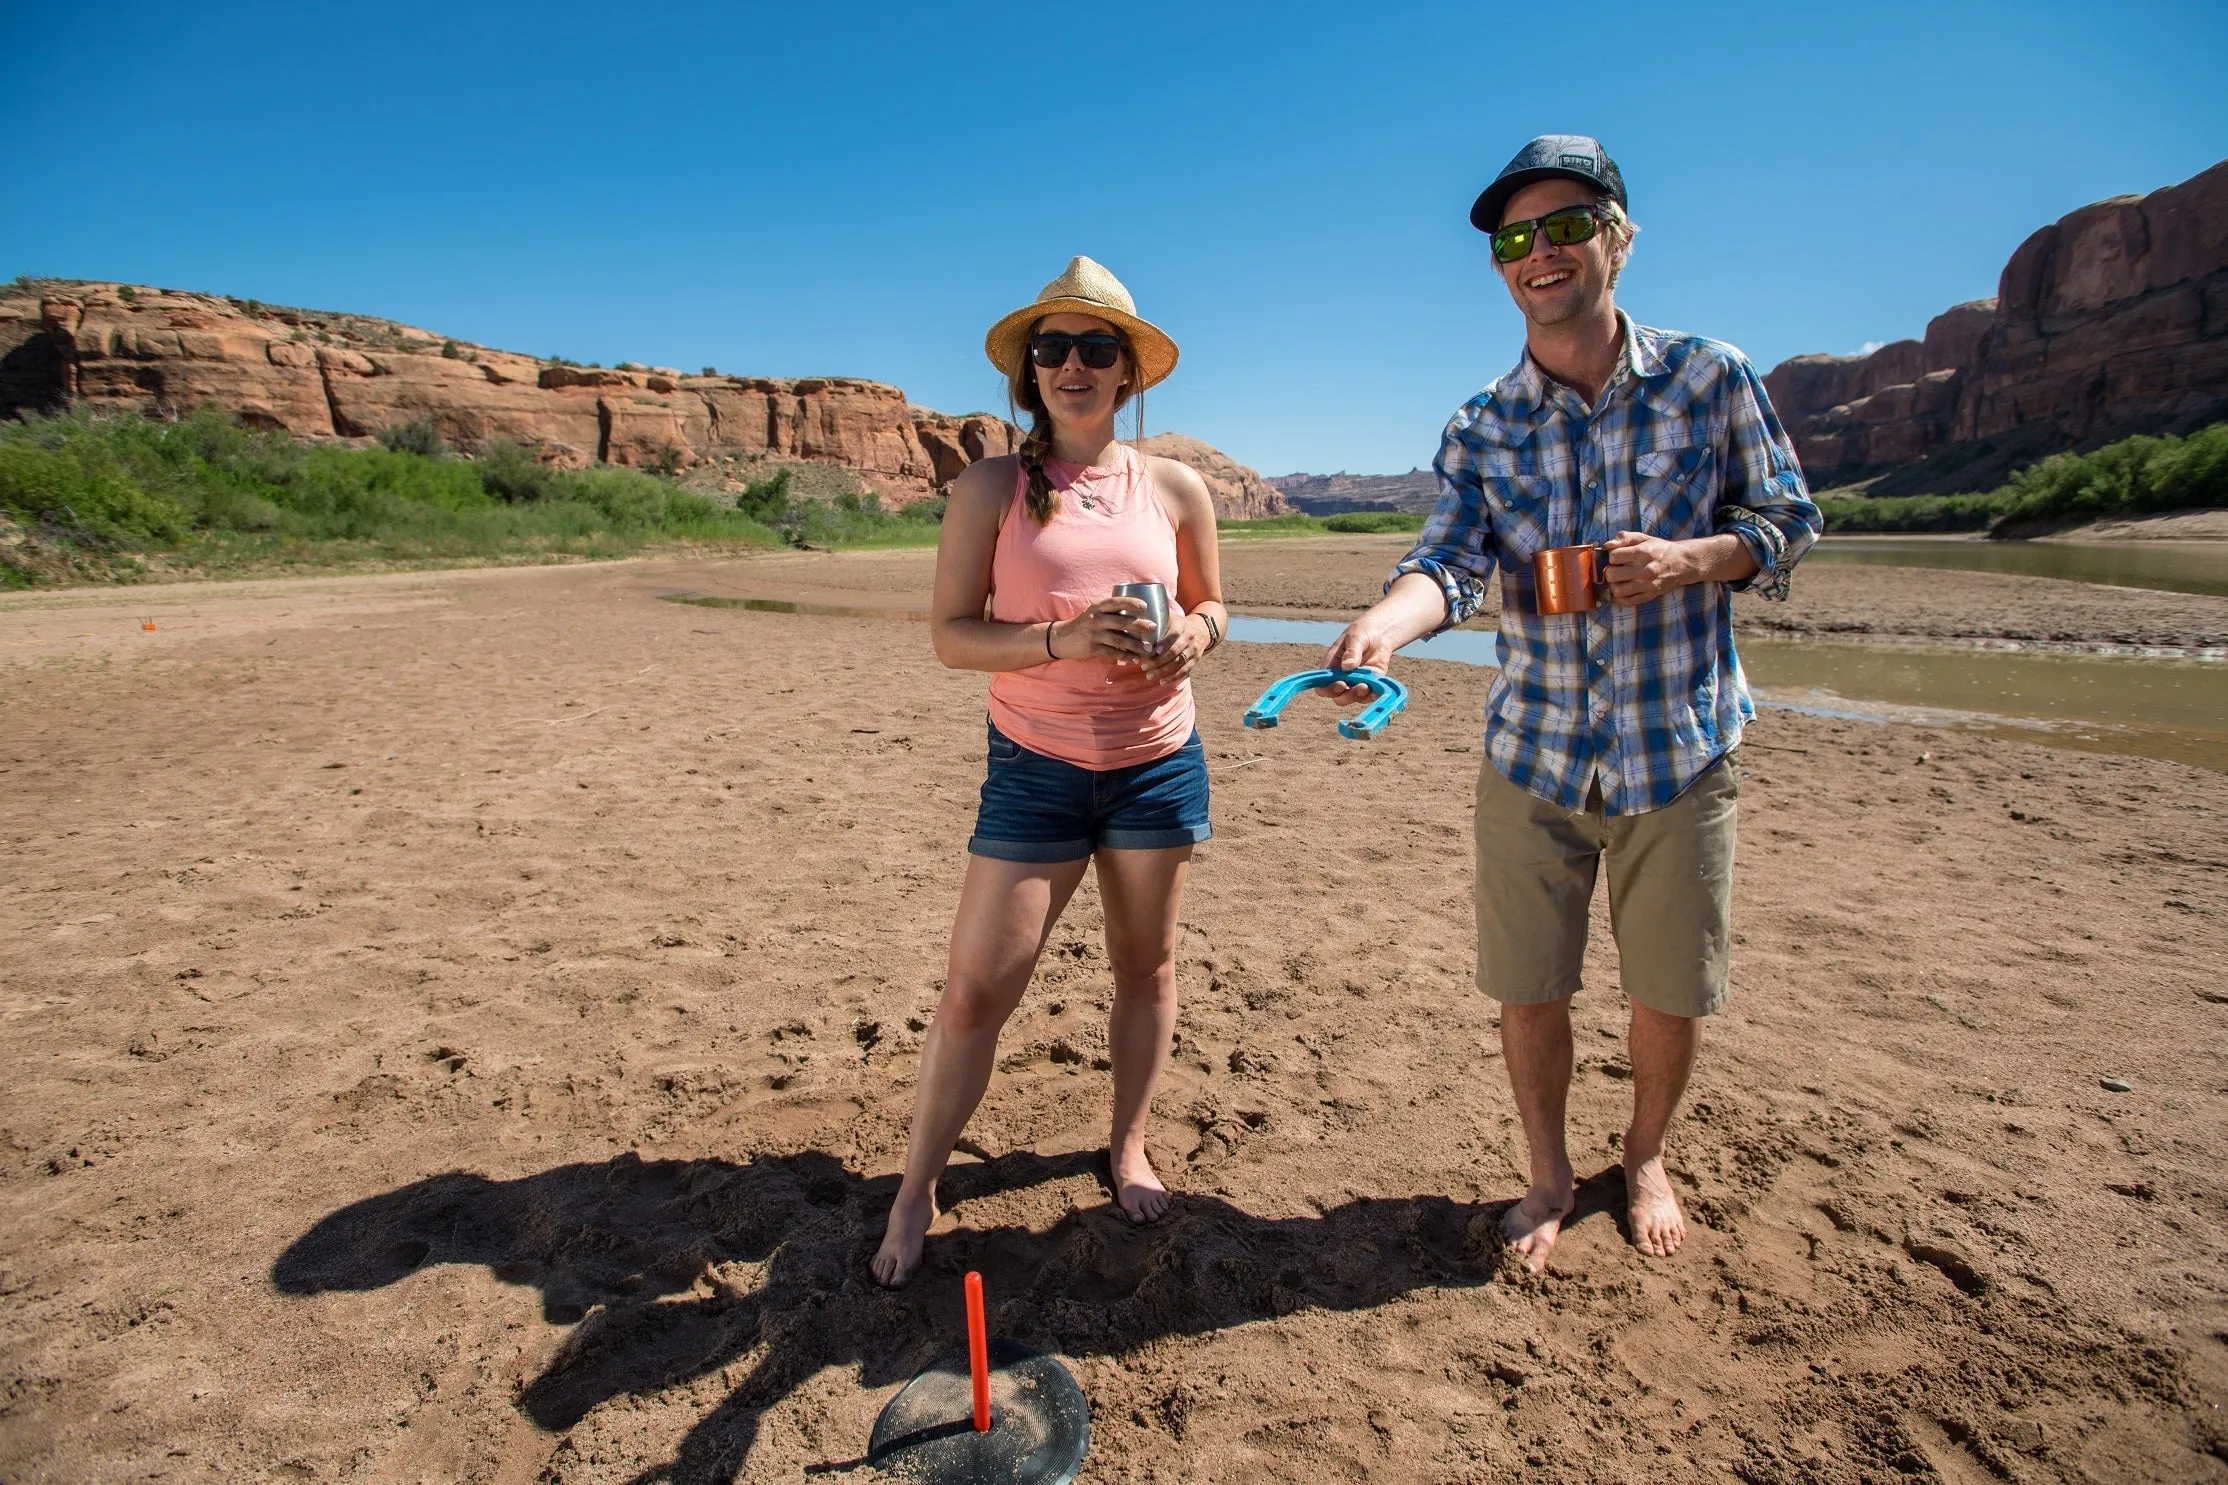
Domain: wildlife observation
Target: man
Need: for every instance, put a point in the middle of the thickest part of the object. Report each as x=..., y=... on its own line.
x=1611, y=733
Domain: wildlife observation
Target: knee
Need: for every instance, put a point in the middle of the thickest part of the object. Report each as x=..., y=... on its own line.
x=972, y=1006
x=1544, y=1014
x=1145, y=975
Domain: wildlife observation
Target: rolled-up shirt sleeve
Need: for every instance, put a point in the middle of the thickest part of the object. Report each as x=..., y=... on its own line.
x=1763, y=499
x=1455, y=549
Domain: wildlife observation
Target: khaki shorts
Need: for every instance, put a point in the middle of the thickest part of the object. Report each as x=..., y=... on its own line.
x=1670, y=893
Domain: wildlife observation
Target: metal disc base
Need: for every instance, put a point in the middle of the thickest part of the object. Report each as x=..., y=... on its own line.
x=1040, y=1424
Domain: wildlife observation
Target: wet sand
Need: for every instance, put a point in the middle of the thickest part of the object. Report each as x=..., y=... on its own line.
x=461, y=1027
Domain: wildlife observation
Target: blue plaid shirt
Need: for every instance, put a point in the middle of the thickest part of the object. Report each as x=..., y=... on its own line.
x=1683, y=444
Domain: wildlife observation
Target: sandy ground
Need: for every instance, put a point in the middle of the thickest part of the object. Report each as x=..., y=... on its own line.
x=2181, y=525
x=461, y=1027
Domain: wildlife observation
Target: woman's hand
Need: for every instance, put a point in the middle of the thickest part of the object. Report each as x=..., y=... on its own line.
x=1183, y=650
x=1110, y=629
x=1364, y=646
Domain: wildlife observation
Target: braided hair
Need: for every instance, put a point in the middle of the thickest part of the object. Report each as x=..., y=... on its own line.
x=1036, y=445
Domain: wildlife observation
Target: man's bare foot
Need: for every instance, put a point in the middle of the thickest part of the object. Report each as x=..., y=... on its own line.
x=899, y=1257
x=1137, y=1190
x=1658, y=1226
x=1532, y=1225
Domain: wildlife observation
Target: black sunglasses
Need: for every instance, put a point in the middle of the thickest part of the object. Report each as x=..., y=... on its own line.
x=1570, y=224
x=1099, y=349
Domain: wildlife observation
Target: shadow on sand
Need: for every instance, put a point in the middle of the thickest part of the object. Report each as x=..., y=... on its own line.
x=609, y=1245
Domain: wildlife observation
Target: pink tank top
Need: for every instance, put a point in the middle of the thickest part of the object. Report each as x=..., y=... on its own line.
x=1108, y=527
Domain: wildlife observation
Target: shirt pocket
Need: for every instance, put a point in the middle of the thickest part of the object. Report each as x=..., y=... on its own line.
x=1521, y=506
x=1671, y=488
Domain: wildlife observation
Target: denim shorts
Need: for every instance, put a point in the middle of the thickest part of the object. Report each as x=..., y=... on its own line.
x=1040, y=809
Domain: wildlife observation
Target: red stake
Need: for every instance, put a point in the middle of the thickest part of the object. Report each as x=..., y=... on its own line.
x=978, y=1352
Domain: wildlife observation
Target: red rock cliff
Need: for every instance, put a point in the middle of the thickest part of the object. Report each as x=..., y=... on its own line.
x=1239, y=492
x=333, y=376
x=2112, y=320
x=325, y=376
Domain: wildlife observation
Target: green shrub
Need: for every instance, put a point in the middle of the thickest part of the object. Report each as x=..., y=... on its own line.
x=2130, y=477
x=452, y=351
x=85, y=492
x=1287, y=525
x=1913, y=513
x=766, y=500
x=509, y=471
x=1374, y=521
x=418, y=436
x=217, y=494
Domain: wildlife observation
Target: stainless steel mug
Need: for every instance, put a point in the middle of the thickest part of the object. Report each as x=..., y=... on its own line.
x=1155, y=598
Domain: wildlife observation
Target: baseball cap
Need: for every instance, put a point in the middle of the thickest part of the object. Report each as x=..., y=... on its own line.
x=1571, y=156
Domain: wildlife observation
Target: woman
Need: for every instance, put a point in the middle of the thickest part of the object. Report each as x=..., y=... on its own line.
x=1093, y=755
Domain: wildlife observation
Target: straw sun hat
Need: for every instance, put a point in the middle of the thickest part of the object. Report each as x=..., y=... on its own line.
x=1085, y=289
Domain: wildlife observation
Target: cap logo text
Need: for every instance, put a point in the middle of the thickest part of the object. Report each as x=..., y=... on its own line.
x=1579, y=162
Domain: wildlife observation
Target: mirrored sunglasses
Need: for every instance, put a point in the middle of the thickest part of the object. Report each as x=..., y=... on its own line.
x=1571, y=224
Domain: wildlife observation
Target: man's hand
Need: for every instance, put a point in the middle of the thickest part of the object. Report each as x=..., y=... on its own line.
x=1411, y=608
x=1364, y=646
x=1643, y=568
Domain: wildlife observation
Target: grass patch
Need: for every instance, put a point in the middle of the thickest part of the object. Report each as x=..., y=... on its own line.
x=84, y=498
x=1364, y=522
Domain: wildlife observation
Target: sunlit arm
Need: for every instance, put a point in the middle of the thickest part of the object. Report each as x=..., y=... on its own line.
x=963, y=638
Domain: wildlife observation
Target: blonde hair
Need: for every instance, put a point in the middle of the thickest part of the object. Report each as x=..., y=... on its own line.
x=1022, y=396
x=1621, y=229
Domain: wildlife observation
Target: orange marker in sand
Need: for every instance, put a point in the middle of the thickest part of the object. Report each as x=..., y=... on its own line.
x=147, y=624
x=978, y=1351
x=922, y=1434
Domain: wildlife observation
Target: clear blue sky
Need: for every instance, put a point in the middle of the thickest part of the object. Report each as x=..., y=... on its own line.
x=856, y=189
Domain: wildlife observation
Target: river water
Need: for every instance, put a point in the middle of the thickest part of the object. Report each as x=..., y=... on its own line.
x=2175, y=709
x=2177, y=566
x=2161, y=708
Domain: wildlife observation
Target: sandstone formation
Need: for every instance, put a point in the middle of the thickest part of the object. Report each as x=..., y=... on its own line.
x=954, y=443
x=328, y=376
x=2111, y=321
x=1240, y=494
x=318, y=375
x=1332, y=494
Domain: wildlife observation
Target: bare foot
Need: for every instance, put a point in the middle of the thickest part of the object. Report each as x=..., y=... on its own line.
x=1532, y=1225
x=899, y=1257
x=1137, y=1190
x=1658, y=1226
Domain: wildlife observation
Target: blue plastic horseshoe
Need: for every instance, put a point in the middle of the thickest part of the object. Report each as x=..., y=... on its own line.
x=1391, y=699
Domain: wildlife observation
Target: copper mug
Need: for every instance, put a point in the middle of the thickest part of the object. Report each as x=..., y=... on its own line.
x=1570, y=580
